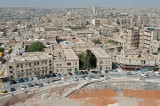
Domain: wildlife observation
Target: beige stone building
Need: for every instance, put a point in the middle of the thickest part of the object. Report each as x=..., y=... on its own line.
x=65, y=60
x=29, y=65
x=104, y=61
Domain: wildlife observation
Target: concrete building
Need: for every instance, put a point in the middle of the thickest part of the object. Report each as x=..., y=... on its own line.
x=134, y=59
x=131, y=38
x=96, y=22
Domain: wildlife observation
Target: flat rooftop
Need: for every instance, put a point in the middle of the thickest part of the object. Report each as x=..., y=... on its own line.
x=30, y=58
x=70, y=55
x=99, y=53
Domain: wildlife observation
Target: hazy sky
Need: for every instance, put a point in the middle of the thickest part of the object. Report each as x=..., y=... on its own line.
x=79, y=3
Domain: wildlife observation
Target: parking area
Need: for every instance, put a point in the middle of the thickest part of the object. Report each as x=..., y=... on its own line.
x=38, y=81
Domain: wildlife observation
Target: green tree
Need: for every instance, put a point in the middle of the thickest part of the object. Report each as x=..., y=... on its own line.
x=87, y=60
x=110, y=41
x=1, y=49
x=96, y=41
x=36, y=47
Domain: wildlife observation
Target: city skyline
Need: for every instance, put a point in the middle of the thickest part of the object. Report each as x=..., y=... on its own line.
x=79, y=3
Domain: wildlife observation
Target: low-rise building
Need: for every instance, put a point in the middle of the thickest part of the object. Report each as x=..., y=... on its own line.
x=65, y=60
x=104, y=61
x=29, y=65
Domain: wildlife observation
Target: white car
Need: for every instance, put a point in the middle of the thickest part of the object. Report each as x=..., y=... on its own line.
x=75, y=78
x=23, y=87
x=87, y=78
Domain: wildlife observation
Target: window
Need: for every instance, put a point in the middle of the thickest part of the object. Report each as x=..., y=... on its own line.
x=11, y=72
x=69, y=70
x=49, y=61
x=49, y=64
x=38, y=63
x=10, y=67
x=27, y=70
x=50, y=68
x=17, y=66
x=34, y=68
x=11, y=76
x=21, y=65
x=21, y=70
x=68, y=64
x=18, y=75
x=34, y=63
x=21, y=75
x=75, y=63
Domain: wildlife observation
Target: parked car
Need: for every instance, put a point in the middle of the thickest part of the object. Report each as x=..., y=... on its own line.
x=64, y=73
x=30, y=85
x=40, y=84
x=129, y=73
x=23, y=87
x=26, y=80
x=21, y=80
x=4, y=92
x=82, y=73
x=86, y=72
x=38, y=77
x=102, y=76
x=115, y=70
x=42, y=76
x=58, y=75
x=30, y=79
x=79, y=73
x=13, y=81
x=75, y=78
x=36, y=84
x=70, y=74
x=9, y=83
x=48, y=82
x=54, y=75
x=87, y=78
x=63, y=79
x=83, y=76
x=12, y=89
x=17, y=81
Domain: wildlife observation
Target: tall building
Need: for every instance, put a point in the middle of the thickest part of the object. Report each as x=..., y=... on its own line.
x=95, y=10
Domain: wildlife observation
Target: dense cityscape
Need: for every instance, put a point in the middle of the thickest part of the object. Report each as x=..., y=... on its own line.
x=52, y=55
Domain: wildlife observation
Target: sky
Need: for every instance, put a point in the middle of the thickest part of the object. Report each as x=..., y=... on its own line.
x=79, y=3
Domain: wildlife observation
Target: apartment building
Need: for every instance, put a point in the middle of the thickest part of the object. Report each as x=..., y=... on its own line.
x=29, y=65
x=131, y=59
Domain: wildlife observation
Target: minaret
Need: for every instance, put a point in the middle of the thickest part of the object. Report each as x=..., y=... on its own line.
x=14, y=18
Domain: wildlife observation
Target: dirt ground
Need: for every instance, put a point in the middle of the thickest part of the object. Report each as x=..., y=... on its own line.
x=109, y=97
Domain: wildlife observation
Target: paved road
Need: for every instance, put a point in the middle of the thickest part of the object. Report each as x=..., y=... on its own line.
x=70, y=78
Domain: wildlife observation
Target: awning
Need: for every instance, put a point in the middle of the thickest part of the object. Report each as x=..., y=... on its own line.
x=139, y=67
x=0, y=54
